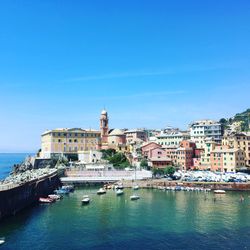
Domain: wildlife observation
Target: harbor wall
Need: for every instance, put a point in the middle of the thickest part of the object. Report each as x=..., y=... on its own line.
x=231, y=186
x=15, y=199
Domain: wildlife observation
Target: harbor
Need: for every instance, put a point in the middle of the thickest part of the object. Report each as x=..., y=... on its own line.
x=111, y=221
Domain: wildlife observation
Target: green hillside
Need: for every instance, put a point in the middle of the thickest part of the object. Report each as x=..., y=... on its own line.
x=243, y=117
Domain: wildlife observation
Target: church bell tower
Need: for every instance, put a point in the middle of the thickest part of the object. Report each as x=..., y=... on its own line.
x=104, y=127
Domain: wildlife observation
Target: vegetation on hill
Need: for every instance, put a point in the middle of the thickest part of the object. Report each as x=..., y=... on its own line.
x=243, y=118
x=118, y=159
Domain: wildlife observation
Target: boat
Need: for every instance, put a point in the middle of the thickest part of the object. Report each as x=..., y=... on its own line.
x=119, y=192
x=2, y=240
x=85, y=199
x=134, y=197
x=55, y=196
x=45, y=200
x=101, y=191
x=62, y=191
x=219, y=191
x=120, y=186
x=70, y=188
x=136, y=187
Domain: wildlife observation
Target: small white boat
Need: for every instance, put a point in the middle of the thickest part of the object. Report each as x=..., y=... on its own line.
x=101, y=191
x=45, y=200
x=119, y=192
x=2, y=241
x=85, y=199
x=219, y=191
x=134, y=197
x=55, y=197
x=136, y=187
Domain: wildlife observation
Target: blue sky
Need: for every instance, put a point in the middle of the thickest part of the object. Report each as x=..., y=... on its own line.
x=150, y=63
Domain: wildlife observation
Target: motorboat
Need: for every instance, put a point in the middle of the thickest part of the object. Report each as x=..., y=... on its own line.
x=134, y=197
x=219, y=191
x=119, y=186
x=62, y=191
x=2, y=240
x=119, y=192
x=85, y=199
x=69, y=188
x=45, y=200
x=55, y=197
x=136, y=187
x=101, y=191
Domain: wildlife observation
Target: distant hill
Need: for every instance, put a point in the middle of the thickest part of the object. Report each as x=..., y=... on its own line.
x=241, y=119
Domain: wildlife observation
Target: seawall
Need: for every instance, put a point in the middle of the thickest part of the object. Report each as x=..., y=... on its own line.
x=155, y=183
x=17, y=198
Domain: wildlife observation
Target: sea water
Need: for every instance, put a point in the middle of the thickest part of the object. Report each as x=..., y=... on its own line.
x=159, y=220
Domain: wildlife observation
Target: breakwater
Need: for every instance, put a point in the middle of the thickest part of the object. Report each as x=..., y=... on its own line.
x=156, y=183
x=15, y=197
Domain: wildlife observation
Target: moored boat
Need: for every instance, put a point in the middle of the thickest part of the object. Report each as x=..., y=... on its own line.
x=119, y=192
x=85, y=199
x=69, y=188
x=61, y=191
x=219, y=191
x=136, y=187
x=2, y=240
x=45, y=200
x=134, y=197
x=54, y=196
x=101, y=191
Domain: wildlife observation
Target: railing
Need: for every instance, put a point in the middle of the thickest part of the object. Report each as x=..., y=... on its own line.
x=108, y=173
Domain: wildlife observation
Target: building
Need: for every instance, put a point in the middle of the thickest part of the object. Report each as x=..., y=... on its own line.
x=239, y=141
x=157, y=158
x=185, y=154
x=135, y=134
x=104, y=128
x=226, y=159
x=172, y=153
x=88, y=157
x=117, y=139
x=68, y=141
x=172, y=139
x=146, y=148
x=205, y=129
x=205, y=156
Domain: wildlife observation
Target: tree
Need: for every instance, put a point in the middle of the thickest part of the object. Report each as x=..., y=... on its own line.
x=169, y=170
x=144, y=164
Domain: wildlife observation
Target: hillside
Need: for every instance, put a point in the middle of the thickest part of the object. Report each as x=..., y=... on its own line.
x=240, y=119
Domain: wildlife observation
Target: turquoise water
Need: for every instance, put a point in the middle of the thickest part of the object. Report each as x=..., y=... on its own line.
x=159, y=220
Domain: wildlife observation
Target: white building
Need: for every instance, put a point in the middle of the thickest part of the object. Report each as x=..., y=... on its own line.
x=205, y=129
x=172, y=139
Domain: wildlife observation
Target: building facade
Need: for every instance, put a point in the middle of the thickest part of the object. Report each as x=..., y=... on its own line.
x=226, y=159
x=135, y=134
x=205, y=129
x=68, y=141
x=172, y=139
x=239, y=141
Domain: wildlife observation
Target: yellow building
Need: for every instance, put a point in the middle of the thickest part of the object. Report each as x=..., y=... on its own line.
x=225, y=159
x=239, y=141
x=68, y=141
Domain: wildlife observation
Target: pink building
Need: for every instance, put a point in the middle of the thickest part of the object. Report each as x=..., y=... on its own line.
x=157, y=158
x=148, y=147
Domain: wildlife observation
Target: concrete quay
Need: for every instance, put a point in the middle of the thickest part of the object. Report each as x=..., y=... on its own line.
x=156, y=183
